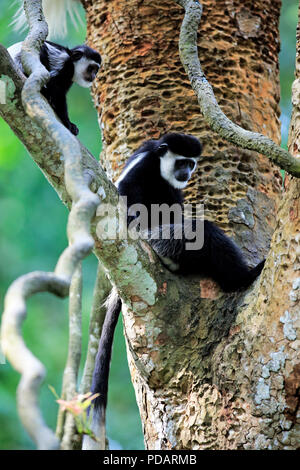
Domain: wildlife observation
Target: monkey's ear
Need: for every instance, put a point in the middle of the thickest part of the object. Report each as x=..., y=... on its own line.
x=162, y=149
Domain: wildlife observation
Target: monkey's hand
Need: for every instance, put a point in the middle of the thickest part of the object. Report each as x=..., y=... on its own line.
x=72, y=128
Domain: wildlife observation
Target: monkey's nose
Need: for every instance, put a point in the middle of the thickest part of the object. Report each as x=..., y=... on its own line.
x=182, y=176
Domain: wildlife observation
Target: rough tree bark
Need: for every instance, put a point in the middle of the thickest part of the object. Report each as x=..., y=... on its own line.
x=210, y=370
x=220, y=372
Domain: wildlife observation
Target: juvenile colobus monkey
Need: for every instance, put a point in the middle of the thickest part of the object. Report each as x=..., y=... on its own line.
x=79, y=65
x=155, y=174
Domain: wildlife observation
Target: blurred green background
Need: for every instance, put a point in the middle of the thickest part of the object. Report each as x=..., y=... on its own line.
x=32, y=236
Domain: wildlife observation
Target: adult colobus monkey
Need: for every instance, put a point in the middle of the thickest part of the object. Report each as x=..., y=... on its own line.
x=79, y=65
x=155, y=174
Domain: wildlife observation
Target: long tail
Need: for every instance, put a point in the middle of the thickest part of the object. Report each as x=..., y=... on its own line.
x=255, y=272
x=101, y=373
x=56, y=13
x=228, y=265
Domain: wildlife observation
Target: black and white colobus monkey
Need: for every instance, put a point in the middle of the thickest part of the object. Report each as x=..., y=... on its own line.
x=79, y=65
x=155, y=174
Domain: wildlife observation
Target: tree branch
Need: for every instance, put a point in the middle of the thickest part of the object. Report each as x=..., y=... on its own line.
x=67, y=428
x=212, y=112
x=49, y=156
x=14, y=347
x=101, y=292
x=84, y=204
x=130, y=265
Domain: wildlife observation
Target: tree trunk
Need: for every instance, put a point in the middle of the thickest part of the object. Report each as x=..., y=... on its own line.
x=219, y=371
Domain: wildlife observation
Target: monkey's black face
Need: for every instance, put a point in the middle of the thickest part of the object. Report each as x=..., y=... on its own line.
x=183, y=169
x=86, y=65
x=91, y=72
x=177, y=169
x=178, y=155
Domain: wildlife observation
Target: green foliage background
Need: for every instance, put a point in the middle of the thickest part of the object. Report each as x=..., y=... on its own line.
x=33, y=234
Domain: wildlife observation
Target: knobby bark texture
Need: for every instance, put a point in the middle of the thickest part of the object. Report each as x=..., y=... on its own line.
x=212, y=112
x=210, y=371
x=143, y=91
x=214, y=372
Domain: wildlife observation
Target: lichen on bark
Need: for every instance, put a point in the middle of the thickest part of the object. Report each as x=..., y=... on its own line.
x=211, y=371
x=201, y=372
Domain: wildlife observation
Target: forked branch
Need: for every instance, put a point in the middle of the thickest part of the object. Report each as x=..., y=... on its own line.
x=84, y=204
x=212, y=112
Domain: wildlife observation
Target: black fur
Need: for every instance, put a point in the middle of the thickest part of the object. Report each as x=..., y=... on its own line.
x=144, y=184
x=101, y=371
x=104, y=350
x=219, y=258
x=58, y=86
x=62, y=75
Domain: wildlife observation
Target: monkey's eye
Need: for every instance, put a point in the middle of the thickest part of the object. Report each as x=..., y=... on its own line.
x=180, y=164
x=77, y=55
x=191, y=164
x=185, y=163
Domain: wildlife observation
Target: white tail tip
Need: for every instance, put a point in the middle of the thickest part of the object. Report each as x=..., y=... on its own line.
x=56, y=13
